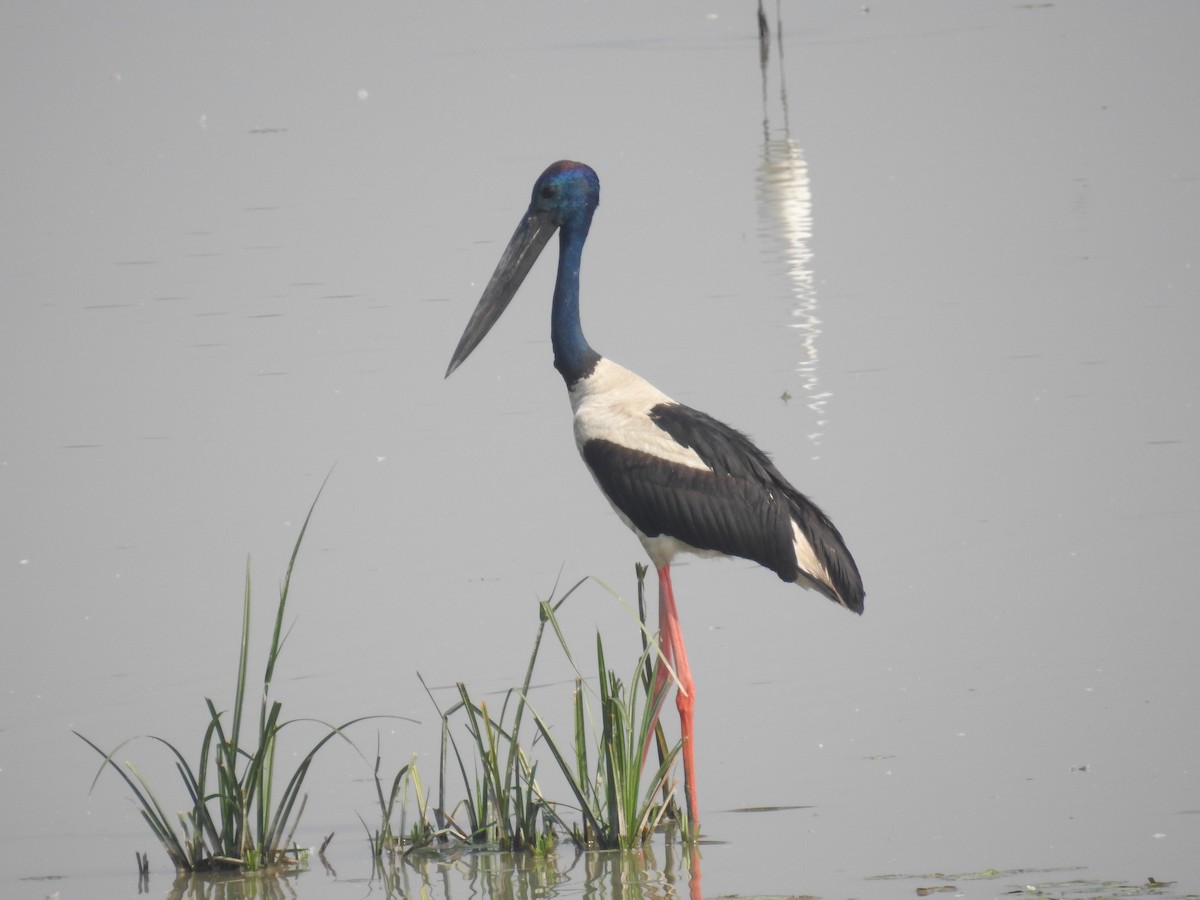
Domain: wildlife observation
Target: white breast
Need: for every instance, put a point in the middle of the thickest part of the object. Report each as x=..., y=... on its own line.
x=613, y=404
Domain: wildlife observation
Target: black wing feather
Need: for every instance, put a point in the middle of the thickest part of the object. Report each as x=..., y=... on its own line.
x=741, y=506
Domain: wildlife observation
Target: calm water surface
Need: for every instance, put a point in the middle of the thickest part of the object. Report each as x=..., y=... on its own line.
x=940, y=258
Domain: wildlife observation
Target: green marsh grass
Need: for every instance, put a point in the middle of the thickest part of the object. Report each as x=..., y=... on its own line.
x=612, y=726
x=403, y=837
x=504, y=806
x=236, y=818
x=619, y=808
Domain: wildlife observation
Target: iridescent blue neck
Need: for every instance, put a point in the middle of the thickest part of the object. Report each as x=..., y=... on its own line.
x=573, y=357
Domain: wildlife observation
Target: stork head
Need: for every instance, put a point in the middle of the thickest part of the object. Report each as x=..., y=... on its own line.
x=564, y=196
x=567, y=192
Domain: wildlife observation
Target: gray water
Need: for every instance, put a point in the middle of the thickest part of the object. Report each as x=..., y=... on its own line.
x=939, y=258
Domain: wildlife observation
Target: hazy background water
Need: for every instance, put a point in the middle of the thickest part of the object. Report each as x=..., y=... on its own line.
x=941, y=261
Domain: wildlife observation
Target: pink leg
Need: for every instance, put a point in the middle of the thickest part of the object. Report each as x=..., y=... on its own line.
x=685, y=700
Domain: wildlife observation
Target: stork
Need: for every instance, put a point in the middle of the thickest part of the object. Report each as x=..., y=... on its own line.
x=682, y=481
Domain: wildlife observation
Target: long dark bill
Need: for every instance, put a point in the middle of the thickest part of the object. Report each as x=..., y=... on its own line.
x=522, y=250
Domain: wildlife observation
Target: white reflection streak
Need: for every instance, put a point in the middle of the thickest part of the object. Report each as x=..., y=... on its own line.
x=785, y=209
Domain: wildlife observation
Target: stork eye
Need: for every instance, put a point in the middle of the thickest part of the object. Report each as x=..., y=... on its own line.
x=549, y=192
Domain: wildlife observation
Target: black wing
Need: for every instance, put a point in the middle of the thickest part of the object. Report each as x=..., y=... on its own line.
x=740, y=506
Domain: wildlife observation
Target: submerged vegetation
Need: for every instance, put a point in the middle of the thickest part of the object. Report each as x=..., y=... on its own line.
x=238, y=819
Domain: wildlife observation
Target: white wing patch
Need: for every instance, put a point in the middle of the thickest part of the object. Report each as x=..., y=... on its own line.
x=613, y=404
x=806, y=557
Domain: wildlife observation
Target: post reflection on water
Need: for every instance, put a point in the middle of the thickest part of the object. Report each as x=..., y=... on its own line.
x=785, y=212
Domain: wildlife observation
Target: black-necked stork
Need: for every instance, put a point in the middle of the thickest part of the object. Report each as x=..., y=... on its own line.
x=681, y=480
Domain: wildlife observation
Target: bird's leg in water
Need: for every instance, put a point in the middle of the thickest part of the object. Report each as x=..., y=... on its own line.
x=671, y=638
